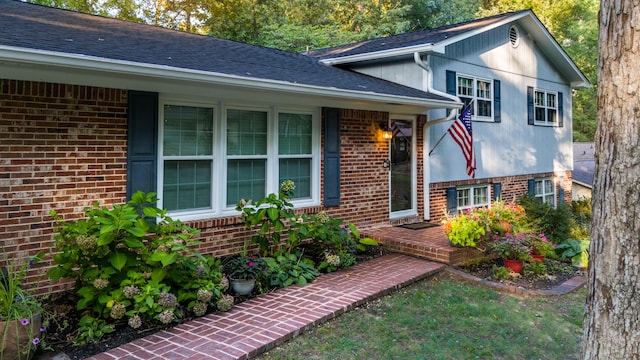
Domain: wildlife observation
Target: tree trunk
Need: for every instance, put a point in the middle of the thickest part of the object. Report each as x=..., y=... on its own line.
x=612, y=318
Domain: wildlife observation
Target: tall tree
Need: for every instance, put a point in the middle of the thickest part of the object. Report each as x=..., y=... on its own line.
x=612, y=323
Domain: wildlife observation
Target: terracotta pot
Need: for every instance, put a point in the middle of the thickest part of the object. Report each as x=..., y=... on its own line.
x=243, y=286
x=16, y=340
x=538, y=257
x=513, y=265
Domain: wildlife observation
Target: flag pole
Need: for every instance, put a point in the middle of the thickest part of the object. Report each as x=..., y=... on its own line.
x=445, y=133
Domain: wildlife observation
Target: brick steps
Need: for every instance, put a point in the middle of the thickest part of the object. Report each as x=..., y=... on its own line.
x=429, y=243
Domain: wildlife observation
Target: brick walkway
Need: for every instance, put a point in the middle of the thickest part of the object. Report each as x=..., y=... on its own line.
x=257, y=325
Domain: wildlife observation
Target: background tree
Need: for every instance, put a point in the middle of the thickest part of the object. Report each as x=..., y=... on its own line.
x=612, y=324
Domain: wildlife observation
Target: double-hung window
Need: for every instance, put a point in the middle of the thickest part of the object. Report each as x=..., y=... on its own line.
x=473, y=197
x=545, y=107
x=187, y=153
x=212, y=158
x=545, y=191
x=478, y=90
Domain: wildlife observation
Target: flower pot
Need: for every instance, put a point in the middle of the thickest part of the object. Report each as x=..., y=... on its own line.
x=16, y=340
x=513, y=265
x=243, y=286
x=538, y=257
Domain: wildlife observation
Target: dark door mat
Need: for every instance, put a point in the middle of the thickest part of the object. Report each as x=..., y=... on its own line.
x=419, y=226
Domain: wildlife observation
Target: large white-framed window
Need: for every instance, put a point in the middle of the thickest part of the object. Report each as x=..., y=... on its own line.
x=545, y=107
x=211, y=156
x=476, y=196
x=470, y=88
x=545, y=191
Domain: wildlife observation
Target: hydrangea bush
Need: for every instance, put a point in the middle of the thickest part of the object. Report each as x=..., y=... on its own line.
x=134, y=263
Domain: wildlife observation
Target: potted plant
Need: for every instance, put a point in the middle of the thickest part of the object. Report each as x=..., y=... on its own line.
x=540, y=246
x=20, y=313
x=243, y=270
x=513, y=249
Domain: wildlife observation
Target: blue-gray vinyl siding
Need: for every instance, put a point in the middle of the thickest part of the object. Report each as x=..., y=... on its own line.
x=511, y=147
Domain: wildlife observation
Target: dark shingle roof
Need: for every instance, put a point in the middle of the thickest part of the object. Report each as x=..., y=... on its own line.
x=41, y=28
x=422, y=37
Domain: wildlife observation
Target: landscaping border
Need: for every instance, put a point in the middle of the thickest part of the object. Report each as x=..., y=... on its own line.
x=566, y=287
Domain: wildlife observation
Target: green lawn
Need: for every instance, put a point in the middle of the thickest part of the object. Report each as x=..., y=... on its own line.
x=441, y=318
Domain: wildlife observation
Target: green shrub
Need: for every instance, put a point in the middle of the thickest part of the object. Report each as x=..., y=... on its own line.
x=555, y=223
x=534, y=268
x=287, y=269
x=501, y=272
x=463, y=230
x=133, y=262
x=575, y=250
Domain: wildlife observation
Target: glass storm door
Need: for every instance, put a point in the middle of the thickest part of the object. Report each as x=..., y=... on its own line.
x=402, y=158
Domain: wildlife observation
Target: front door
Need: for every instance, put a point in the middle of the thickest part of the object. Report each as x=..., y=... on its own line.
x=403, y=173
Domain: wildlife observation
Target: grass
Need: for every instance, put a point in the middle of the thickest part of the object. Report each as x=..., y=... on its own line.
x=441, y=318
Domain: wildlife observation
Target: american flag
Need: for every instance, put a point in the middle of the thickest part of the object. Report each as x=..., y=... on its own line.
x=461, y=133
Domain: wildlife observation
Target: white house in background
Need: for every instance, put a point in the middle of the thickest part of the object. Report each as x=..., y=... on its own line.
x=520, y=81
x=584, y=163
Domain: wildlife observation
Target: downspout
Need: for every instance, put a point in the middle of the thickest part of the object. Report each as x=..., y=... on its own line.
x=425, y=153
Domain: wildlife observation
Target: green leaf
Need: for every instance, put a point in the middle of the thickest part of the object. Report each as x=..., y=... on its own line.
x=137, y=232
x=149, y=301
x=118, y=260
x=107, y=229
x=354, y=230
x=56, y=273
x=134, y=243
x=301, y=280
x=273, y=213
x=368, y=241
x=158, y=274
x=106, y=239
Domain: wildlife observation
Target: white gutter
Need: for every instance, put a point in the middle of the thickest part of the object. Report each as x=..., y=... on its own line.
x=42, y=58
x=452, y=114
x=382, y=54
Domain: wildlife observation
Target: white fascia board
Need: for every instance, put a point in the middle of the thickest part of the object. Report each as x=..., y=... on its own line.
x=92, y=63
x=377, y=55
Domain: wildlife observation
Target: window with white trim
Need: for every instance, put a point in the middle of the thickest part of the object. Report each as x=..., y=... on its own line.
x=212, y=158
x=545, y=191
x=471, y=88
x=473, y=197
x=545, y=107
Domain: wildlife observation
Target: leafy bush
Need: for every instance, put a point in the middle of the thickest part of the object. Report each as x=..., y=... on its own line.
x=555, y=223
x=575, y=250
x=134, y=262
x=581, y=213
x=463, y=230
x=534, y=268
x=287, y=269
x=501, y=272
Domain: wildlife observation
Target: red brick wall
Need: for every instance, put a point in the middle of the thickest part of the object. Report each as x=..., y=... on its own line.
x=62, y=147
x=512, y=188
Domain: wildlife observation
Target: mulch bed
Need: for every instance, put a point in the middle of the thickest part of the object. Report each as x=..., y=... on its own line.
x=557, y=273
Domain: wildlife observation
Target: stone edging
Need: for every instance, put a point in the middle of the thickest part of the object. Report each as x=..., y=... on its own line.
x=566, y=287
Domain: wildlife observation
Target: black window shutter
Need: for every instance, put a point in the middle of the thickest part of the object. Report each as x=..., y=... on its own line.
x=497, y=115
x=497, y=191
x=451, y=82
x=530, y=109
x=560, y=194
x=331, y=156
x=142, y=140
x=452, y=200
x=532, y=187
x=560, y=110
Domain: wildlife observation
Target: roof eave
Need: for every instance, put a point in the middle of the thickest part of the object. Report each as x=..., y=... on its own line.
x=384, y=54
x=50, y=58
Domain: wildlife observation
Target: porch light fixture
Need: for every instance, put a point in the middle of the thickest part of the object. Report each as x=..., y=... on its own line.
x=385, y=132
